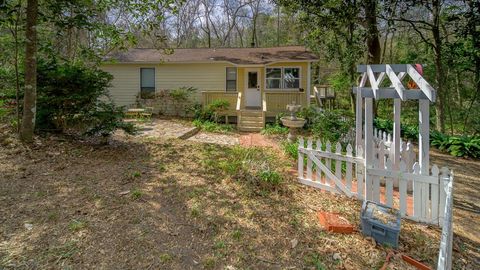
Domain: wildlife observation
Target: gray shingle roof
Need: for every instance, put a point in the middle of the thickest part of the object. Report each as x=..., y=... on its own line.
x=233, y=55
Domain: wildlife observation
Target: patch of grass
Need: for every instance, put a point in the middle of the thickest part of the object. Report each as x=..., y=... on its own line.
x=195, y=211
x=210, y=126
x=237, y=235
x=162, y=168
x=76, y=225
x=290, y=149
x=209, y=262
x=274, y=129
x=52, y=216
x=165, y=258
x=315, y=261
x=136, y=194
x=63, y=252
x=219, y=245
x=136, y=174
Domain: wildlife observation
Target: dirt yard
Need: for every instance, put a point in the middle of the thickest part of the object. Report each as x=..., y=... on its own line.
x=140, y=203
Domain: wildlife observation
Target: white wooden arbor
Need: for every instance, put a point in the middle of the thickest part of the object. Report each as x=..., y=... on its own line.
x=375, y=75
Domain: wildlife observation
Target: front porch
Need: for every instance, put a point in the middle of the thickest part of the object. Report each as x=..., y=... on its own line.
x=253, y=118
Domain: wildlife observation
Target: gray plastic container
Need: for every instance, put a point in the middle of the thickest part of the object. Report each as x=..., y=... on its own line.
x=381, y=222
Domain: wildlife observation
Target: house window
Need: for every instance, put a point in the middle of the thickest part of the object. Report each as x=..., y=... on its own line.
x=274, y=78
x=291, y=78
x=231, y=79
x=147, y=83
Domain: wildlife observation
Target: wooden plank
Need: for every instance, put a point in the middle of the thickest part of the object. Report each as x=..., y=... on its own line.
x=335, y=156
x=418, y=177
x=314, y=184
x=402, y=190
x=330, y=175
x=396, y=83
x=328, y=164
x=373, y=81
x=424, y=136
x=390, y=93
x=382, y=68
x=389, y=185
x=396, y=137
x=377, y=163
x=426, y=88
x=360, y=170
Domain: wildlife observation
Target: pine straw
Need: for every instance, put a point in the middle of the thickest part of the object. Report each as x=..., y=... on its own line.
x=187, y=212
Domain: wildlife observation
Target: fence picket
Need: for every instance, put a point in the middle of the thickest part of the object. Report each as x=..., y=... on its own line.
x=338, y=163
x=417, y=195
x=300, y=158
x=309, y=161
x=402, y=189
x=319, y=172
x=359, y=174
x=328, y=164
x=434, y=196
x=389, y=185
x=444, y=175
x=349, y=167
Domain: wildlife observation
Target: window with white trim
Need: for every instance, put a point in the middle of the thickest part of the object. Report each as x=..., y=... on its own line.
x=231, y=84
x=291, y=78
x=147, y=83
x=274, y=78
x=282, y=78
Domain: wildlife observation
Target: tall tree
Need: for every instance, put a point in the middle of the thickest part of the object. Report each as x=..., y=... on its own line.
x=30, y=94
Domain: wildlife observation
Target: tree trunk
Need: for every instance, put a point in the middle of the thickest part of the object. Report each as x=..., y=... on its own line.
x=373, y=41
x=30, y=96
x=440, y=73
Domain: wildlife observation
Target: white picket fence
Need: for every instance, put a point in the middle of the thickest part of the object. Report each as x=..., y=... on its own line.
x=337, y=170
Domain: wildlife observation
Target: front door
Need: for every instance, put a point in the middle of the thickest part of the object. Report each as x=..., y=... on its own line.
x=252, y=90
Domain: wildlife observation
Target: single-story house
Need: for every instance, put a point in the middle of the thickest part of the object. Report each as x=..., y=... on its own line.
x=257, y=82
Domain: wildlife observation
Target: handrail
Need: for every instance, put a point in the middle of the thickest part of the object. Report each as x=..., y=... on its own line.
x=239, y=101
x=264, y=102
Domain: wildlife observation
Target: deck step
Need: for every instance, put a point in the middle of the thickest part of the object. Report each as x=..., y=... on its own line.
x=251, y=121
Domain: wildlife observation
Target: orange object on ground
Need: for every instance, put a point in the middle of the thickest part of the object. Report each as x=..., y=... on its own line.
x=415, y=263
x=333, y=222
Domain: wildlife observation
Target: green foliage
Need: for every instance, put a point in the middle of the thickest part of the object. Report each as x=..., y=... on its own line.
x=464, y=146
x=210, y=126
x=252, y=167
x=291, y=149
x=332, y=125
x=407, y=131
x=73, y=95
x=218, y=105
x=270, y=177
x=181, y=94
x=274, y=129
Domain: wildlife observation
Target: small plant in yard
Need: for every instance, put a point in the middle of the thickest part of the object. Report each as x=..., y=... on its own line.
x=136, y=174
x=76, y=225
x=270, y=177
x=291, y=149
x=136, y=194
x=165, y=258
x=275, y=129
x=236, y=235
x=210, y=126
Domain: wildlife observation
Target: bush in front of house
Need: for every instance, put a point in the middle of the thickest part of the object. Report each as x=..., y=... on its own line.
x=329, y=125
x=207, y=117
x=74, y=97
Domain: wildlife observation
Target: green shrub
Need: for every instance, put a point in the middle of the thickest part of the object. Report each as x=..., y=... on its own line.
x=270, y=177
x=210, y=126
x=73, y=96
x=332, y=125
x=274, y=129
x=180, y=96
x=290, y=149
x=211, y=111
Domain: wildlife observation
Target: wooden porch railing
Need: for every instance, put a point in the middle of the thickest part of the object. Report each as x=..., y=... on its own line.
x=209, y=96
x=276, y=102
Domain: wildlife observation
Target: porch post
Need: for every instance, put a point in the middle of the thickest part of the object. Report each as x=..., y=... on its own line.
x=358, y=120
x=396, y=137
x=424, y=136
x=309, y=82
x=368, y=149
